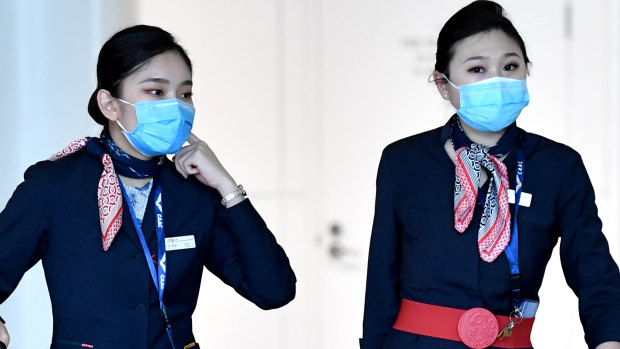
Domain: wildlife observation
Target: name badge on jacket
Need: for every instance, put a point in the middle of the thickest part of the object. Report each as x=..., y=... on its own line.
x=180, y=242
x=526, y=198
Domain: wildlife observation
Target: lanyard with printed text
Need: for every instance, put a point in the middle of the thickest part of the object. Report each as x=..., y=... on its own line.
x=512, y=250
x=159, y=276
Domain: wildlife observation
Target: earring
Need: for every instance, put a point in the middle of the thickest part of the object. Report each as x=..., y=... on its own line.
x=445, y=96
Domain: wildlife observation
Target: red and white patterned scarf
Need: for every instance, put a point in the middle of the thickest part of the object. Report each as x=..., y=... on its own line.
x=109, y=195
x=494, y=231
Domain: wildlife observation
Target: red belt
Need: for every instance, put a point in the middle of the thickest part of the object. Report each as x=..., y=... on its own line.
x=443, y=322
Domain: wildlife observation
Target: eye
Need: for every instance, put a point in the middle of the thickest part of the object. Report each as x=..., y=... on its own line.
x=187, y=95
x=156, y=92
x=511, y=66
x=476, y=70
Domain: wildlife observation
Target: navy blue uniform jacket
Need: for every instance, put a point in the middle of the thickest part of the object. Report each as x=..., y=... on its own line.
x=416, y=254
x=107, y=299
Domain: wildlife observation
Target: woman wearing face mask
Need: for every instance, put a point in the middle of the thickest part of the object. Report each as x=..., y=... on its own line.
x=124, y=232
x=467, y=214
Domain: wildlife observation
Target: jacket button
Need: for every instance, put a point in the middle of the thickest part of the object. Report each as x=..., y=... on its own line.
x=140, y=257
x=140, y=308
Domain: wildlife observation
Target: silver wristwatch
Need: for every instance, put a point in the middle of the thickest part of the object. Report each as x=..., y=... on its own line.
x=231, y=196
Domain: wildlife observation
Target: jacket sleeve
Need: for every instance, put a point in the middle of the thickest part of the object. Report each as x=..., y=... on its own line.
x=23, y=238
x=382, y=285
x=589, y=268
x=245, y=255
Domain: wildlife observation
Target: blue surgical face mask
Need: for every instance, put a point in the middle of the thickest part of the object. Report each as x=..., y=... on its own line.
x=493, y=104
x=163, y=126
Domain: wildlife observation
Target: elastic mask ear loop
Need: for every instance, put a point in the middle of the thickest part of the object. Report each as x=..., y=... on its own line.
x=121, y=126
x=118, y=122
x=133, y=105
x=450, y=82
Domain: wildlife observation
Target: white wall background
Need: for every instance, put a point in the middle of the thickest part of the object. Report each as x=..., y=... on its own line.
x=315, y=88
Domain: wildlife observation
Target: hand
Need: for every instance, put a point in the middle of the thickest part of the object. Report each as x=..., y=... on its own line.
x=198, y=159
x=4, y=335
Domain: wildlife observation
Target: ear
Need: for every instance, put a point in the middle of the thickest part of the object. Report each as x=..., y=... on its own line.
x=441, y=84
x=108, y=105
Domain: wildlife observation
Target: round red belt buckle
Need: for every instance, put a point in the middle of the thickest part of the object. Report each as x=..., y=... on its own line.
x=478, y=328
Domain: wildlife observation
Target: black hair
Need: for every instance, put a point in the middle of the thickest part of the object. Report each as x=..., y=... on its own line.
x=477, y=17
x=124, y=53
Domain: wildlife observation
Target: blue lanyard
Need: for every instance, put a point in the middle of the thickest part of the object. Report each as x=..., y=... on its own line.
x=159, y=277
x=512, y=250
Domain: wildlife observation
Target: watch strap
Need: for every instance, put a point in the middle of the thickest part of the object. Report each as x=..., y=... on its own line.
x=232, y=195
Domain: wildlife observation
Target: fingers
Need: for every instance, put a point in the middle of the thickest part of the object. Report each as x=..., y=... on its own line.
x=179, y=167
x=180, y=164
x=198, y=159
x=187, y=161
x=4, y=336
x=180, y=159
x=193, y=138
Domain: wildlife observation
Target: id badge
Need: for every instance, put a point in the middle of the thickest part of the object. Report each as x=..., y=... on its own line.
x=180, y=243
x=528, y=308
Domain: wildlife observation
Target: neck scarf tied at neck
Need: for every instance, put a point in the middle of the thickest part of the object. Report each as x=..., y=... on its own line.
x=109, y=194
x=471, y=158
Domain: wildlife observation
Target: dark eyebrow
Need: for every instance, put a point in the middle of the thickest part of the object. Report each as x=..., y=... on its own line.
x=475, y=58
x=156, y=80
x=166, y=81
x=511, y=54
